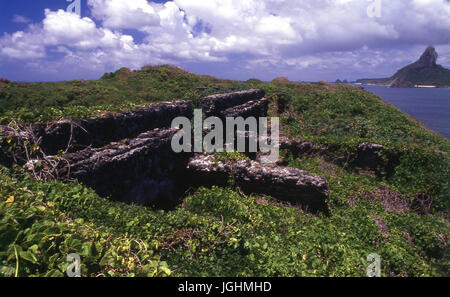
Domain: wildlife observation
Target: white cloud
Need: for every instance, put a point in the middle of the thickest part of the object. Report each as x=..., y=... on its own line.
x=294, y=35
x=61, y=27
x=119, y=14
x=22, y=45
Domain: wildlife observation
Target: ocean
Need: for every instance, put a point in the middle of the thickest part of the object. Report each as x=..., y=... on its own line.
x=431, y=107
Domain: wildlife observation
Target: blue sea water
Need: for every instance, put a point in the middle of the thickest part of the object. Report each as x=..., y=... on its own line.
x=431, y=107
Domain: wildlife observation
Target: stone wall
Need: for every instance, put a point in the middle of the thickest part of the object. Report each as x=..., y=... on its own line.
x=367, y=156
x=215, y=105
x=97, y=132
x=142, y=170
x=286, y=184
x=255, y=109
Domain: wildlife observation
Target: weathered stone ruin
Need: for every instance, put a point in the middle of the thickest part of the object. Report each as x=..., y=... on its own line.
x=128, y=156
x=300, y=148
x=257, y=108
x=376, y=158
x=217, y=105
x=142, y=170
x=286, y=184
x=98, y=132
x=367, y=157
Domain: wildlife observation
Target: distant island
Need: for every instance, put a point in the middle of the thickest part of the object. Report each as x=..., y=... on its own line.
x=424, y=73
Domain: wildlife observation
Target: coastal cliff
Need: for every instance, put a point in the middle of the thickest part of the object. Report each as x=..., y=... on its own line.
x=425, y=72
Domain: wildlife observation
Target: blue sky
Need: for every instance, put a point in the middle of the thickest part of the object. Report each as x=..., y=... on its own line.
x=239, y=39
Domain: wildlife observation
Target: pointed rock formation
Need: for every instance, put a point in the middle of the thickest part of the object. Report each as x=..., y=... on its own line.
x=428, y=58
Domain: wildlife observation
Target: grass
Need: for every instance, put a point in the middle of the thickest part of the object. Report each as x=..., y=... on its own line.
x=220, y=231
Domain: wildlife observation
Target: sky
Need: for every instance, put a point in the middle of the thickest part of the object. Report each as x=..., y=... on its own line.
x=304, y=40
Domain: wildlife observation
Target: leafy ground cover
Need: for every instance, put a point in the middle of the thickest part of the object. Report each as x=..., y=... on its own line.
x=403, y=217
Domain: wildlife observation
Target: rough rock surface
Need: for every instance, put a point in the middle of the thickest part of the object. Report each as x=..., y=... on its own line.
x=143, y=170
x=98, y=132
x=287, y=184
x=369, y=156
x=428, y=58
x=214, y=105
x=250, y=109
x=299, y=147
x=376, y=158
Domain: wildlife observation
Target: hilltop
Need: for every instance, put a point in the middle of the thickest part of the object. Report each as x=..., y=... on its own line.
x=425, y=71
x=387, y=179
x=115, y=91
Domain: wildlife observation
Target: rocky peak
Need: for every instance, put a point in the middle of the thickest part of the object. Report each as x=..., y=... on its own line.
x=428, y=58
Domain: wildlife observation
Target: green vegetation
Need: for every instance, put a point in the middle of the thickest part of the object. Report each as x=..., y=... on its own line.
x=36, y=236
x=230, y=157
x=220, y=231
